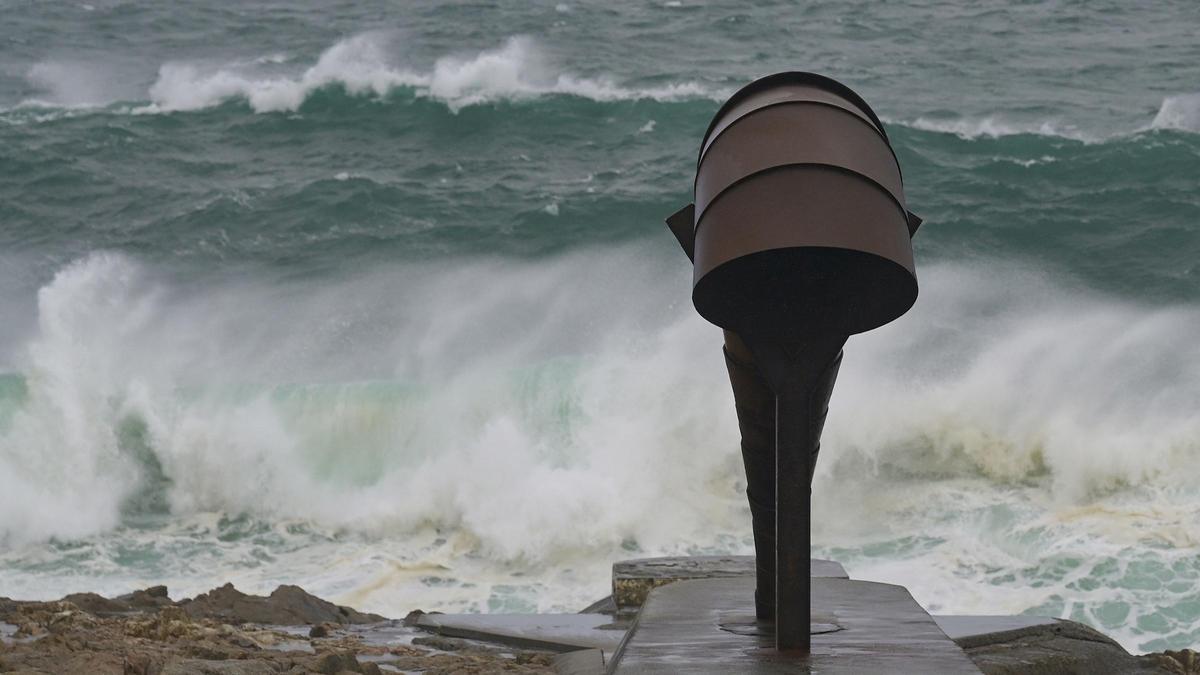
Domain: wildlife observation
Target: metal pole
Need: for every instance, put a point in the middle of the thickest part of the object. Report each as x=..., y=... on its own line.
x=793, y=509
x=801, y=372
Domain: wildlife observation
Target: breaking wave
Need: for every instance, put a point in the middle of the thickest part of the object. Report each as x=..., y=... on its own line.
x=362, y=65
x=399, y=409
x=393, y=413
x=1181, y=113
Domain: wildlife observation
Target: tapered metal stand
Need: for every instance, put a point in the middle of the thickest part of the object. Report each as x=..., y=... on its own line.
x=801, y=373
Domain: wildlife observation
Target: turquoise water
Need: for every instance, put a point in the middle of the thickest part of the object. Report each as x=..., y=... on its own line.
x=376, y=298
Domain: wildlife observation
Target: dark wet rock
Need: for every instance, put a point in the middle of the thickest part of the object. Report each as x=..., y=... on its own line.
x=320, y=630
x=1182, y=662
x=97, y=604
x=202, y=667
x=287, y=605
x=155, y=596
x=8, y=606
x=337, y=662
x=413, y=617
x=1060, y=648
x=137, y=601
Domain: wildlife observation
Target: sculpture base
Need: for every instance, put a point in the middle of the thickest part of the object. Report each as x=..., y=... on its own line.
x=708, y=626
x=747, y=624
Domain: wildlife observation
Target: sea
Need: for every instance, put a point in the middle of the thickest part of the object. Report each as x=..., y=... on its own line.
x=376, y=298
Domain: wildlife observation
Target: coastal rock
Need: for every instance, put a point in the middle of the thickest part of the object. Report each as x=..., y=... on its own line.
x=337, y=662
x=151, y=598
x=155, y=596
x=1182, y=662
x=440, y=642
x=200, y=667
x=1060, y=648
x=96, y=604
x=321, y=630
x=413, y=617
x=143, y=633
x=287, y=605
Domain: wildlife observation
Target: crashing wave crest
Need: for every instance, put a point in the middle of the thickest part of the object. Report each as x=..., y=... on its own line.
x=491, y=433
x=1181, y=113
x=361, y=64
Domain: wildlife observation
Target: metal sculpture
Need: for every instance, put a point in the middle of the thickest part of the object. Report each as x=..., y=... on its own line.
x=800, y=237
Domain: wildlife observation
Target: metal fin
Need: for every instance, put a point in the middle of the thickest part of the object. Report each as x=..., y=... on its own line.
x=914, y=221
x=683, y=226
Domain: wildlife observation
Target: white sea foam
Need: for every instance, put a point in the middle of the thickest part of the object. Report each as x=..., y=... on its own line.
x=363, y=65
x=478, y=449
x=471, y=417
x=1181, y=113
x=61, y=473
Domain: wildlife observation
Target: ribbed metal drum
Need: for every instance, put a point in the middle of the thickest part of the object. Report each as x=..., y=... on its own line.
x=800, y=223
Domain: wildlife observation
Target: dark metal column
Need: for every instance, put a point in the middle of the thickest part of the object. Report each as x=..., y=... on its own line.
x=793, y=511
x=801, y=372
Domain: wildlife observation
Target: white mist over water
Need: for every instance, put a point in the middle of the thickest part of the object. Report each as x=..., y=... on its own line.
x=491, y=435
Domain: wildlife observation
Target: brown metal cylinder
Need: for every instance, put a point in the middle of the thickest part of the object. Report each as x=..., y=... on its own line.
x=800, y=223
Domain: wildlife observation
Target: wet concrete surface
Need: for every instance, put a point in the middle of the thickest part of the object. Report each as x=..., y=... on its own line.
x=684, y=628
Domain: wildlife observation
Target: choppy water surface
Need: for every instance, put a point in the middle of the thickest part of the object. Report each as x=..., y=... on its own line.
x=377, y=299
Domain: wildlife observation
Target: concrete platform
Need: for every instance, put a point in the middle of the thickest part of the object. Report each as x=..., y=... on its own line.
x=551, y=632
x=708, y=626
x=634, y=579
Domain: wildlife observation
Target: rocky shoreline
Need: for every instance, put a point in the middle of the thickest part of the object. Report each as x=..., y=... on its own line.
x=227, y=632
